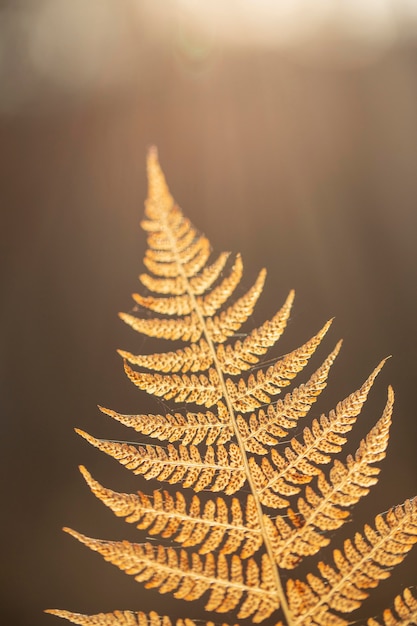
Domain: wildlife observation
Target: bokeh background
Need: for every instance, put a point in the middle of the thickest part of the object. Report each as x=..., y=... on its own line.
x=287, y=131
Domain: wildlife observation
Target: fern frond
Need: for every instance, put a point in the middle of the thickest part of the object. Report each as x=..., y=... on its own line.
x=232, y=584
x=283, y=474
x=185, y=328
x=193, y=258
x=173, y=305
x=197, y=357
x=189, y=428
x=326, y=509
x=166, y=286
x=362, y=564
x=275, y=505
x=251, y=394
x=220, y=469
x=406, y=612
x=124, y=618
x=210, y=525
x=243, y=354
x=202, y=282
x=213, y=301
x=178, y=286
x=200, y=389
x=225, y=325
x=209, y=304
x=266, y=429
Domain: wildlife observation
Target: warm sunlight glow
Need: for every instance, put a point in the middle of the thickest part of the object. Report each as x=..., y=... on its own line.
x=77, y=47
x=288, y=22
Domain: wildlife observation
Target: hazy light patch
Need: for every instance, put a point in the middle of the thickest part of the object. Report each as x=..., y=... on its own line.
x=72, y=43
x=50, y=47
x=346, y=28
x=77, y=47
x=261, y=22
x=16, y=79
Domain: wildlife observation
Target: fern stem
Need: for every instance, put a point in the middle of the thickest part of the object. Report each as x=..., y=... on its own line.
x=267, y=543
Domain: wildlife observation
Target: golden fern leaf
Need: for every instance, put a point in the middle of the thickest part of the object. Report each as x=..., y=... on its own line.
x=361, y=565
x=124, y=618
x=232, y=584
x=196, y=357
x=187, y=328
x=303, y=533
x=200, y=389
x=183, y=305
x=243, y=354
x=406, y=608
x=207, y=526
x=276, y=503
x=266, y=429
x=189, y=428
x=251, y=394
x=198, y=284
x=221, y=468
x=283, y=474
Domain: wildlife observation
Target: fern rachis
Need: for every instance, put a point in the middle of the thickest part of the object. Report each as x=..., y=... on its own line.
x=239, y=551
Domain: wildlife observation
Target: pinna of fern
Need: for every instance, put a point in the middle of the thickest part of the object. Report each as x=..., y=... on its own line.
x=272, y=506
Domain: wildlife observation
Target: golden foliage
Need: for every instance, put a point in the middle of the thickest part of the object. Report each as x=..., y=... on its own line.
x=124, y=618
x=277, y=504
x=406, y=609
x=206, y=525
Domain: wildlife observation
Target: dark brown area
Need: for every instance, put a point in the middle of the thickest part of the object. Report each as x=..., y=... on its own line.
x=310, y=171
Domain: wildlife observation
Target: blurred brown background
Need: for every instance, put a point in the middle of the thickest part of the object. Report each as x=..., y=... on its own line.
x=288, y=136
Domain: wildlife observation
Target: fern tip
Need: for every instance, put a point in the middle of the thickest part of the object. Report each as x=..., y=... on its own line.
x=85, y=435
x=75, y=534
x=103, y=409
x=83, y=470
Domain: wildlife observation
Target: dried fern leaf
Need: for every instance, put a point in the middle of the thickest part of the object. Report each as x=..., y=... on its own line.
x=326, y=509
x=209, y=304
x=200, y=389
x=232, y=549
x=282, y=474
x=362, y=564
x=193, y=428
x=405, y=606
x=185, y=328
x=125, y=618
x=193, y=258
x=212, y=302
x=210, y=525
x=267, y=429
x=189, y=428
x=225, y=325
x=174, y=305
x=251, y=394
x=178, y=286
x=197, y=357
x=167, y=286
x=243, y=354
x=232, y=583
x=220, y=469
x=167, y=253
